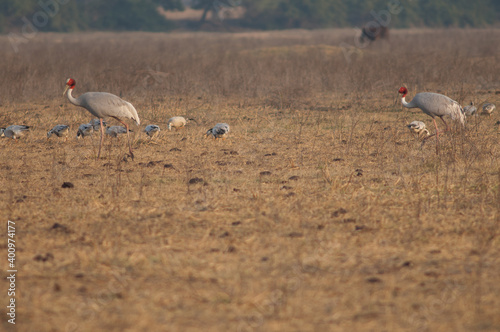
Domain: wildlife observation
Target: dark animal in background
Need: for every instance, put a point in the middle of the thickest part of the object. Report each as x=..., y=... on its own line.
x=373, y=33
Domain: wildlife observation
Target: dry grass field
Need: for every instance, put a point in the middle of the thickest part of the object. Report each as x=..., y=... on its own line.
x=320, y=212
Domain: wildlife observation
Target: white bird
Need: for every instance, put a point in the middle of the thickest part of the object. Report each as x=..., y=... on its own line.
x=488, y=109
x=85, y=130
x=152, y=131
x=178, y=122
x=96, y=123
x=14, y=131
x=434, y=105
x=220, y=130
x=470, y=110
x=418, y=127
x=102, y=105
x=114, y=131
x=59, y=131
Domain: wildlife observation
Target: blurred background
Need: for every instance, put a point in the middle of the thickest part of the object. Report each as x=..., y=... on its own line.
x=239, y=15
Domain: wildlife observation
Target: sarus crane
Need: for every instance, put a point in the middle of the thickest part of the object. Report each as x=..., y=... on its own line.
x=103, y=105
x=434, y=105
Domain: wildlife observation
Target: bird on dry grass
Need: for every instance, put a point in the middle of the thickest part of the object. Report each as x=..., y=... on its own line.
x=59, y=131
x=488, y=109
x=103, y=105
x=96, y=124
x=434, y=105
x=178, y=122
x=85, y=130
x=220, y=130
x=470, y=110
x=15, y=131
x=419, y=128
x=114, y=131
x=152, y=131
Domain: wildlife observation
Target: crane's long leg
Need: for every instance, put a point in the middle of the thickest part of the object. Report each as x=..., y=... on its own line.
x=436, y=134
x=102, y=139
x=447, y=128
x=128, y=138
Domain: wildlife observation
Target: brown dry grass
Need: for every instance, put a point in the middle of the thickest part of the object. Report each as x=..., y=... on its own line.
x=319, y=212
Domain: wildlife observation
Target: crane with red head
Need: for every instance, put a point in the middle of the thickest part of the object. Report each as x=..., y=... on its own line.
x=434, y=105
x=103, y=105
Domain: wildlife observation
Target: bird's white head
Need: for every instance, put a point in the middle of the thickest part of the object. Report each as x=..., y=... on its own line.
x=70, y=84
x=403, y=90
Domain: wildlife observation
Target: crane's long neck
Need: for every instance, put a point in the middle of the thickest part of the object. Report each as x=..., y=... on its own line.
x=73, y=100
x=405, y=104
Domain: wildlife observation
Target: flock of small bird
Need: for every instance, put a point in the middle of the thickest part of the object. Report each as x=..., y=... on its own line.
x=220, y=130
x=104, y=105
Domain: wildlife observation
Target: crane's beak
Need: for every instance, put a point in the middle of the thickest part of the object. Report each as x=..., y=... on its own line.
x=191, y=119
x=65, y=89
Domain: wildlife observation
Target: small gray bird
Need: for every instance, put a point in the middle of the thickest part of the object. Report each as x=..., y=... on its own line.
x=59, y=131
x=220, y=130
x=114, y=131
x=488, y=109
x=85, y=130
x=152, y=131
x=470, y=110
x=176, y=122
x=96, y=124
x=14, y=131
x=419, y=128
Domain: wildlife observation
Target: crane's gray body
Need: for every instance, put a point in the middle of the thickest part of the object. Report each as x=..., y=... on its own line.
x=103, y=105
x=436, y=105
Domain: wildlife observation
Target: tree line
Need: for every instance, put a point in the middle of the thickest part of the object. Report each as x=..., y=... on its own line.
x=83, y=15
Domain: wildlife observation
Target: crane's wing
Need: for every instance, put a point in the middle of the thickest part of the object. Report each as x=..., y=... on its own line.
x=105, y=104
x=436, y=104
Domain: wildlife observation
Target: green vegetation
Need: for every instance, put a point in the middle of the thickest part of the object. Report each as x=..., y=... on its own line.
x=72, y=15
x=75, y=15
x=272, y=14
